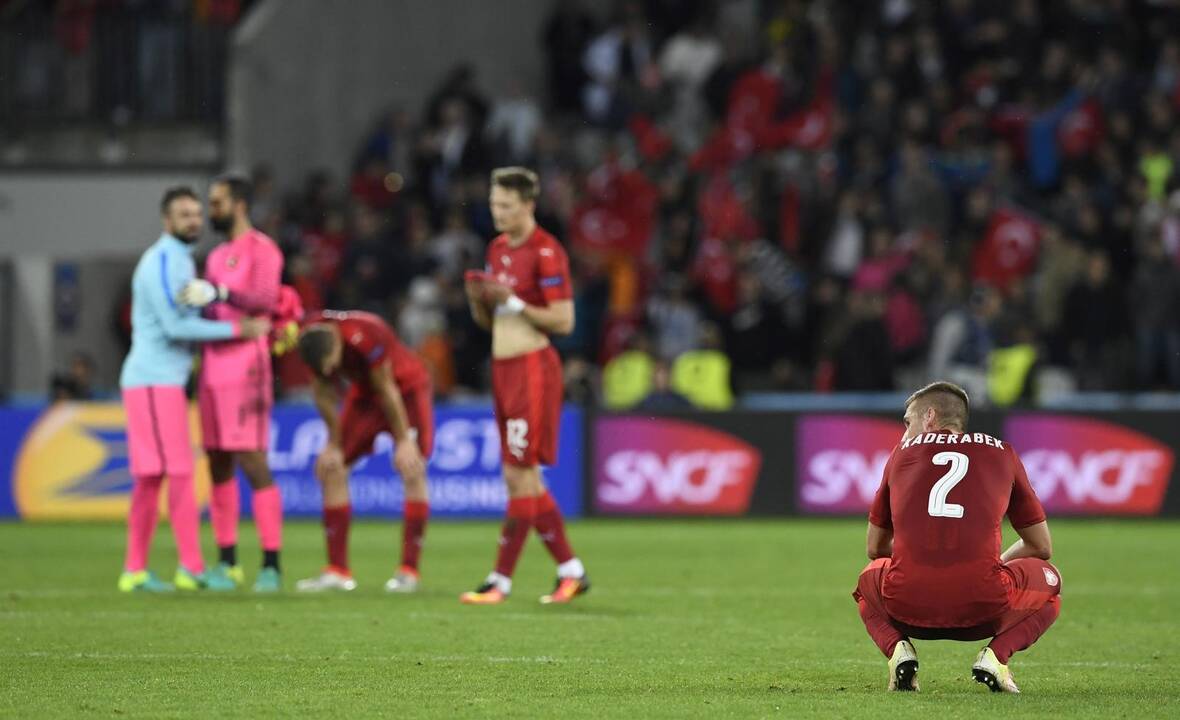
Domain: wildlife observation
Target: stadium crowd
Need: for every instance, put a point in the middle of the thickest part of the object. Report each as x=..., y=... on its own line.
x=979, y=191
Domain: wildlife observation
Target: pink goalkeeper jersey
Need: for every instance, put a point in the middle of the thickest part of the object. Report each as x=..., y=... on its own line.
x=251, y=267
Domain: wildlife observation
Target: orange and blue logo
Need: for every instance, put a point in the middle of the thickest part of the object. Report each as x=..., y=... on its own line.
x=73, y=464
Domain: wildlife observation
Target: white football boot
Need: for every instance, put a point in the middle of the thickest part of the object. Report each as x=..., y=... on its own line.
x=903, y=667
x=988, y=670
x=326, y=581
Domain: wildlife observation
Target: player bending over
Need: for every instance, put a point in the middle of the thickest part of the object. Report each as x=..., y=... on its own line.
x=236, y=391
x=153, y=379
x=389, y=391
x=523, y=297
x=934, y=541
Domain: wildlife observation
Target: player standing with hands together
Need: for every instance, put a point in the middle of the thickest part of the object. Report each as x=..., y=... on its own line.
x=523, y=297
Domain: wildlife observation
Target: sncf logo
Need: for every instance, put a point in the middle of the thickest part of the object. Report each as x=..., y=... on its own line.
x=834, y=476
x=653, y=465
x=1106, y=477
x=840, y=461
x=1079, y=465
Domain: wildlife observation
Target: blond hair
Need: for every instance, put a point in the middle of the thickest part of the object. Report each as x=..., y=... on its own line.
x=519, y=179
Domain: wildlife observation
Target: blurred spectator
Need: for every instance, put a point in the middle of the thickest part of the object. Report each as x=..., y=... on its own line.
x=676, y=322
x=703, y=375
x=662, y=396
x=1155, y=298
x=627, y=377
x=617, y=62
x=512, y=127
x=963, y=338
x=565, y=37
x=1095, y=325
x=76, y=383
x=863, y=357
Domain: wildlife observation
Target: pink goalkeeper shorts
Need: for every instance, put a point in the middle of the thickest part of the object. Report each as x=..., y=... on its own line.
x=157, y=431
x=236, y=417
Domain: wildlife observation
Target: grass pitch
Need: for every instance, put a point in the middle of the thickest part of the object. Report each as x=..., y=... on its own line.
x=686, y=619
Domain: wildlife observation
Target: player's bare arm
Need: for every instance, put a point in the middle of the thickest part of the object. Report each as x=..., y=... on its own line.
x=407, y=459
x=879, y=542
x=1034, y=542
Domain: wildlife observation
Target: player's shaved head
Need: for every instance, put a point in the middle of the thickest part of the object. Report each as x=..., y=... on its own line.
x=319, y=349
x=520, y=180
x=949, y=402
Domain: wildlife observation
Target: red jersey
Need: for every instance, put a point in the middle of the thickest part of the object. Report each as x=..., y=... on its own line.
x=944, y=496
x=368, y=343
x=537, y=270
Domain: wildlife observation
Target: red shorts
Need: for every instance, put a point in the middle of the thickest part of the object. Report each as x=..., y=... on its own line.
x=362, y=420
x=1030, y=585
x=527, y=391
x=236, y=418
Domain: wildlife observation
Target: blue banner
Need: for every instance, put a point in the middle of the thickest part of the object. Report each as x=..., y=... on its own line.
x=70, y=461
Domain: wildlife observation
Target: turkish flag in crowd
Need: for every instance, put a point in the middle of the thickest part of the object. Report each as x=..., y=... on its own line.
x=618, y=213
x=1008, y=249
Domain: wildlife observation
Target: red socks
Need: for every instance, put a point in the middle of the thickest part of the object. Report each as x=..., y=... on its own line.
x=521, y=512
x=1026, y=632
x=881, y=630
x=551, y=528
x=336, y=522
x=414, y=515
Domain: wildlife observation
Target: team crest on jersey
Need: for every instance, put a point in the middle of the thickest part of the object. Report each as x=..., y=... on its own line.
x=231, y=261
x=506, y=260
x=1050, y=577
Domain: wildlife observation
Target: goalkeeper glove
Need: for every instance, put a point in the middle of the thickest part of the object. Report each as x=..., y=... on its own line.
x=199, y=293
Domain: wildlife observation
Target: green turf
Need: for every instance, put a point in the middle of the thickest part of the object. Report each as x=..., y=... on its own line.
x=704, y=619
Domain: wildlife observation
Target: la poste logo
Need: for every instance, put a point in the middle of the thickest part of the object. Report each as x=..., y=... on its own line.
x=659, y=465
x=841, y=459
x=1079, y=465
x=73, y=464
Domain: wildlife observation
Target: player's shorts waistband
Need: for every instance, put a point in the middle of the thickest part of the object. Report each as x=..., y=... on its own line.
x=547, y=352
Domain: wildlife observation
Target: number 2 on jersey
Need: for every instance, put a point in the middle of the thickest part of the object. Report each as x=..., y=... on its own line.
x=938, y=506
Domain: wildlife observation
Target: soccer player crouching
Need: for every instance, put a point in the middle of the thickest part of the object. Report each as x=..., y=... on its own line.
x=523, y=297
x=389, y=391
x=934, y=541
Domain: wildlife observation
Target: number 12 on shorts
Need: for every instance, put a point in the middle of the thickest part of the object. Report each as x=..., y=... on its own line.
x=938, y=506
x=517, y=430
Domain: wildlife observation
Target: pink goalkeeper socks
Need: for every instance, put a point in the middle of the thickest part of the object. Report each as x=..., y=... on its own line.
x=182, y=513
x=268, y=516
x=224, y=508
x=141, y=522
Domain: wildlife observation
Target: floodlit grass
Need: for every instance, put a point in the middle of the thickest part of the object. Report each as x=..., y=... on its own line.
x=704, y=619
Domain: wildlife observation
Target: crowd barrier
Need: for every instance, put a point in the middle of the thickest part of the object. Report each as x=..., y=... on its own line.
x=69, y=461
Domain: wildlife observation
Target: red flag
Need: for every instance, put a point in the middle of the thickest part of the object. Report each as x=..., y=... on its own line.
x=1008, y=249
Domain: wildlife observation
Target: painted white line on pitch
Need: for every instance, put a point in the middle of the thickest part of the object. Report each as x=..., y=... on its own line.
x=347, y=657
